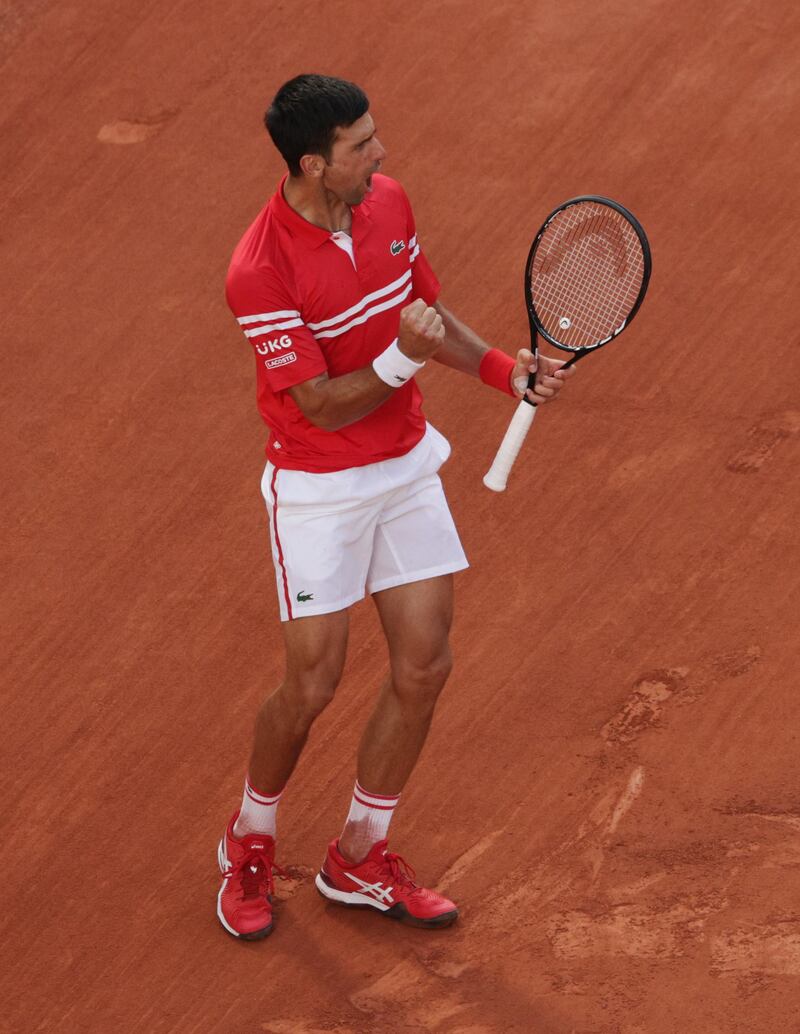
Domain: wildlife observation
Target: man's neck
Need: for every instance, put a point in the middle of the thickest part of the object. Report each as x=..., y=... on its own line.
x=317, y=205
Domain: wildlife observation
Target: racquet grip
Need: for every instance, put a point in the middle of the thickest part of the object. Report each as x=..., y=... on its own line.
x=497, y=475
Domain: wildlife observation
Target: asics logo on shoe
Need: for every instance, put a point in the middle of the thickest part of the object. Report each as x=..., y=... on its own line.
x=375, y=890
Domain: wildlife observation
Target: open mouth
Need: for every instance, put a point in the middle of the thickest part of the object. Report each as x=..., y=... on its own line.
x=369, y=178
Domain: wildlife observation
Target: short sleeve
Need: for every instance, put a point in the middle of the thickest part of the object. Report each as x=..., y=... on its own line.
x=285, y=349
x=423, y=278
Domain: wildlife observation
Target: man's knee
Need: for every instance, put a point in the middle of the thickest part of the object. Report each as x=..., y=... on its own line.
x=316, y=648
x=312, y=688
x=303, y=695
x=419, y=680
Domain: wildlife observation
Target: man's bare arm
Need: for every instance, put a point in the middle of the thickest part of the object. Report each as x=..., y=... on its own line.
x=331, y=403
x=463, y=350
x=334, y=402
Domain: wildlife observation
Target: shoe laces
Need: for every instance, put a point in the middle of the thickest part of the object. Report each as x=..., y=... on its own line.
x=401, y=871
x=254, y=871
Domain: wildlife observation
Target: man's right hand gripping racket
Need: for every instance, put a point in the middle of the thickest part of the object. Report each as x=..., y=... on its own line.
x=585, y=278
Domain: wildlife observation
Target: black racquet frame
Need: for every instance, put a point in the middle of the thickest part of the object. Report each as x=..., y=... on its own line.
x=496, y=477
x=535, y=323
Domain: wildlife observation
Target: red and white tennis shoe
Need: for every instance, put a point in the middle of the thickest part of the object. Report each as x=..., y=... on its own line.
x=244, y=902
x=385, y=882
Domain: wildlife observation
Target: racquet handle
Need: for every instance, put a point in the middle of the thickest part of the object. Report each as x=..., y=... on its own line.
x=497, y=475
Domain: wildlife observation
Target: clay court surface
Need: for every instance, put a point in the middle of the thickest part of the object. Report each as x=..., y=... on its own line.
x=611, y=790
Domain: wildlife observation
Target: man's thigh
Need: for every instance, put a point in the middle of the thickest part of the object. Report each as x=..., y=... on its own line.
x=416, y=619
x=316, y=648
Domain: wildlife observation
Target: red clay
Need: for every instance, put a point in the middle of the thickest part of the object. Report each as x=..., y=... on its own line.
x=610, y=791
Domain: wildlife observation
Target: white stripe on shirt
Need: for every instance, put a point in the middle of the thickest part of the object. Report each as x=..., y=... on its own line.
x=360, y=305
x=265, y=316
x=273, y=326
x=366, y=315
x=297, y=321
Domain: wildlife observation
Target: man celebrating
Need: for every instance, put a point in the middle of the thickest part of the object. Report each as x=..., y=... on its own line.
x=333, y=292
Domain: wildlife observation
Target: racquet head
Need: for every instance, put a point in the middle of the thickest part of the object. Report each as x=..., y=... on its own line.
x=586, y=275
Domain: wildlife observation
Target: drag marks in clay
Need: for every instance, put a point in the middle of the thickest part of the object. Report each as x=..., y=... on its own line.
x=465, y=861
x=304, y=1027
x=296, y=877
x=673, y=911
x=664, y=907
x=635, y=929
x=773, y=846
x=370, y=1026
x=623, y=805
x=420, y=993
x=134, y=131
x=576, y=862
x=424, y=986
x=771, y=950
x=661, y=460
x=764, y=438
x=644, y=709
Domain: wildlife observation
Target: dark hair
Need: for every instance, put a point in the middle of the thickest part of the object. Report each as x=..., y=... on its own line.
x=306, y=112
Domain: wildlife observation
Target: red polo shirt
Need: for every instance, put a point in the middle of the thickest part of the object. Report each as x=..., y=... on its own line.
x=307, y=307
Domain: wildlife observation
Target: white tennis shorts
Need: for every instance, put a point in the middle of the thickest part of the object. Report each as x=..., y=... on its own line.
x=336, y=537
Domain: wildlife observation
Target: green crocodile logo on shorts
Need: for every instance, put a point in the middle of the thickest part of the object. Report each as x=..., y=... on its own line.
x=303, y=597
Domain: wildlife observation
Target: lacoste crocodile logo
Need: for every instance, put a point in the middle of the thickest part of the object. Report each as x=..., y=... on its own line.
x=396, y=247
x=304, y=597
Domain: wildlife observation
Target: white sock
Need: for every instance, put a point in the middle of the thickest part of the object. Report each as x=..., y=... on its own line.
x=368, y=820
x=258, y=813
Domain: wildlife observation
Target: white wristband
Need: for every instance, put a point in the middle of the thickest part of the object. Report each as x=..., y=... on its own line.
x=394, y=368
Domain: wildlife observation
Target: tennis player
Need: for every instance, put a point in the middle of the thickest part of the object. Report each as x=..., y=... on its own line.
x=340, y=306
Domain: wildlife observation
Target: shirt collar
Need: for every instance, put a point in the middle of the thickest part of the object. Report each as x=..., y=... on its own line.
x=313, y=235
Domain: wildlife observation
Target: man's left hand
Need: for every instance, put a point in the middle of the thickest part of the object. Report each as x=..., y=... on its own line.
x=550, y=376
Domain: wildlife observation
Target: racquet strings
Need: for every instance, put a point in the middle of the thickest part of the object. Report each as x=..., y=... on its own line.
x=586, y=274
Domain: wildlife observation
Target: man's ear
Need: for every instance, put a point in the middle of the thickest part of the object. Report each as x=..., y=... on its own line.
x=312, y=165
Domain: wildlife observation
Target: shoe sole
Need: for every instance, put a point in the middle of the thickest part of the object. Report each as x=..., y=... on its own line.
x=398, y=911
x=256, y=935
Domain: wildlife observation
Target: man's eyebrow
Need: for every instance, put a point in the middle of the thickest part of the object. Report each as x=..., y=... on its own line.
x=366, y=138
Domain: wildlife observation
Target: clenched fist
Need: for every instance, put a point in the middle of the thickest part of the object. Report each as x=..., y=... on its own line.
x=421, y=331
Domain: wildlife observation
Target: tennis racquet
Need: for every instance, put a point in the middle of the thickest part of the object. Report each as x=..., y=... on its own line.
x=585, y=278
